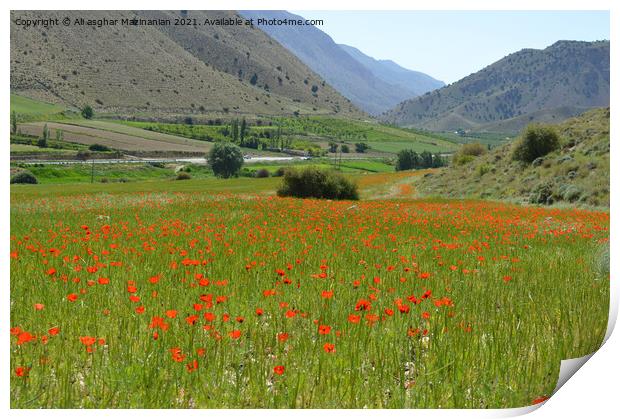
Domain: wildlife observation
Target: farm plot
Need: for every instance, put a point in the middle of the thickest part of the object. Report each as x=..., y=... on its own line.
x=117, y=137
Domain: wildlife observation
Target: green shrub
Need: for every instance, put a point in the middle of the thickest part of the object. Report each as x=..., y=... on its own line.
x=24, y=176
x=279, y=172
x=98, y=147
x=262, y=173
x=316, y=183
x=183, y=176
x=483, y=169
x=460, y=160
x=542, y=194
x=245, y=172
x=472, y=149
x=536, y=141
x=467, y=153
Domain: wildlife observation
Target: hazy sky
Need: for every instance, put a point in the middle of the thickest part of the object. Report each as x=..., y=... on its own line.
x=450, y=45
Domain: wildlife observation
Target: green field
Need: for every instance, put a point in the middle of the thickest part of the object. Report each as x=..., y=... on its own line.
x=29, y=109
x=215, y=293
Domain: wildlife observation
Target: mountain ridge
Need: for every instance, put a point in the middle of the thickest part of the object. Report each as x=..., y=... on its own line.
x=567, y=75
x=328, y=59
x=162, y=69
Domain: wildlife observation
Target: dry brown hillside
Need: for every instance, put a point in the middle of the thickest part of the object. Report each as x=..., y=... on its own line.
x=157, y=70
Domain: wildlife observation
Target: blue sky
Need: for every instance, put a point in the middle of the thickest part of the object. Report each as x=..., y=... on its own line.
x=450, y=45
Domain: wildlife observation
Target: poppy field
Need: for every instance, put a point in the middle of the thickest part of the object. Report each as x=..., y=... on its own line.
x=198, y=300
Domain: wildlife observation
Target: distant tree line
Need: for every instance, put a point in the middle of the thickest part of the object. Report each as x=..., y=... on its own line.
x=409, y=159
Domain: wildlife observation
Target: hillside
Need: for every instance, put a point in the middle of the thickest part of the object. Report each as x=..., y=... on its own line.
x=411, y=83
x=548, y=85
x=577, y=173
x=163, y=70
x=365, y=87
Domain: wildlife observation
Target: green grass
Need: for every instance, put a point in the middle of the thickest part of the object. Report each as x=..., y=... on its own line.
x=81, y=173
x=26, y=106
x=498, y=324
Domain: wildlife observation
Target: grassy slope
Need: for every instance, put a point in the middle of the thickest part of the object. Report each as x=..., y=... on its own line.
x=24, y=105
x=579, y=170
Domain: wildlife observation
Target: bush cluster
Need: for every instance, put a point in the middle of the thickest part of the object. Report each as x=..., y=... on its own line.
x=24, y=176
x=316, y=183
x=536, y=141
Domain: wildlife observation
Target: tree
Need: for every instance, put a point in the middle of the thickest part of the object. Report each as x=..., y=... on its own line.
x=225, y=159
x=13, y=122
x=426, y=160
x=344, y=148
x=361, y=147
x=58, y=135
x=234, y=130
x=43, y=140
x=404, y=160
x=242, y=130
x=87, y=112
x=254, y=79
x=333, y=147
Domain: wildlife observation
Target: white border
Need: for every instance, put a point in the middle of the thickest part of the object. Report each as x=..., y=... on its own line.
x=592, y=392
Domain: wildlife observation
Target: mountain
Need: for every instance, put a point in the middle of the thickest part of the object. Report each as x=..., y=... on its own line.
x=164, y=69
x=366, y=86
x=578, y=172
x=411, y=83
x=547, y=85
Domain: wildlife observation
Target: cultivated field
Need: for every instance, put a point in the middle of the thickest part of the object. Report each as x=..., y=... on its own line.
x=220, y=294
x=116, y=136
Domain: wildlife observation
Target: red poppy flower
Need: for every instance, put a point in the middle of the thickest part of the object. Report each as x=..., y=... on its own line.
x=290, y=314
x=192, y=366
x=235, y=334
x=353, y=318
x=140, y=309
x=403, y=308
x=329, y=348
x=362, y=305
x=177, y=355
x=25, y=337
x=72, y=297
x=39, y=306
x=282, y=337
x=21, y=371
x=103, y=281
x=259, y=312
x=54, y=331
x=171, y=314
x=327, y=294
x=324, y=329
x=278, y=369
